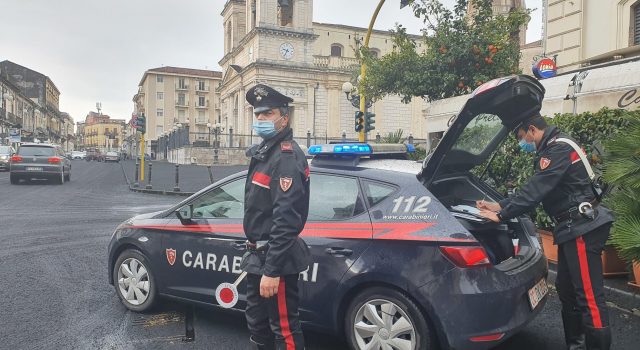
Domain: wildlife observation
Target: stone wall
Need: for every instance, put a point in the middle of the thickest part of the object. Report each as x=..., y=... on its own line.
x=205, y=156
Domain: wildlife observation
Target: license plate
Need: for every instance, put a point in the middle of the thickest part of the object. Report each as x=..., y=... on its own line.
x=33, y=168
x=537, y=293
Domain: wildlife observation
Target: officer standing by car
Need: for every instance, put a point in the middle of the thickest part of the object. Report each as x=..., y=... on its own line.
x=561, y=182
x=276, y=208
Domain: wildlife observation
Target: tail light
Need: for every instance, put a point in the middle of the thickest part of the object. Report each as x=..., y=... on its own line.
x=466, y=256
x=485, y=338
x=16, y=159
x=54, y=160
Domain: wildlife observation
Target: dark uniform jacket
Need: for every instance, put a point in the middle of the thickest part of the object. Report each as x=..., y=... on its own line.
x=561, y=183
x=276, y=206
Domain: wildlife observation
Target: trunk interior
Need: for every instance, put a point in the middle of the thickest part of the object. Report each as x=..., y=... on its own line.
x=464, y=190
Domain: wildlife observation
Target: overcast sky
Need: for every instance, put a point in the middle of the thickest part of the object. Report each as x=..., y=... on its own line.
x=97, y=50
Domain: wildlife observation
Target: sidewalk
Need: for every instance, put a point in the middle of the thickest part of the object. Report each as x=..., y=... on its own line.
x=192, y=177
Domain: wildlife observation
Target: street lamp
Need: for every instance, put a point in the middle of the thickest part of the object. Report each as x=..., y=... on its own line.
x=352, y=97
x=209, y=127
x=216, y=145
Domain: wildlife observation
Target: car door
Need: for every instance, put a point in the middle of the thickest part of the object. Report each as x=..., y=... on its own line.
x=338, y=231
x=208, y=250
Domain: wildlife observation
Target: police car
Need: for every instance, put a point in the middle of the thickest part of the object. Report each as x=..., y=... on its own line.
x=400, y=257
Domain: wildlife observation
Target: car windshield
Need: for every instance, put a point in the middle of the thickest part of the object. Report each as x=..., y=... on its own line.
x=36, y=151
x=4, y=149
x=479, y=133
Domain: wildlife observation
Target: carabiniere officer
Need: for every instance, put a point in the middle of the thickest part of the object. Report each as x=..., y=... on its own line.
x=276, y=208
x=561, y=182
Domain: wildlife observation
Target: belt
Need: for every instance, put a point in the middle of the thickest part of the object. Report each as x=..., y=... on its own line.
x=573, y=213
x=255, y=248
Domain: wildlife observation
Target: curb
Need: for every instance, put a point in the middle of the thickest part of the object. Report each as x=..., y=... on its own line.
x=144, y=190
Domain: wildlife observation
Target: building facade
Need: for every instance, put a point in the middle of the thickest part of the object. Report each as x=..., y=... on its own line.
x=103, y=133
x=586, y=32
x=17, y=111
x=170, y=95
x=266, y=42
x=48, y=123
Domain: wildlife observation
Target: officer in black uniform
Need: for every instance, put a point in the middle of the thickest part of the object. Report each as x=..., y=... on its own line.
x=276, y=208
x=563, y=186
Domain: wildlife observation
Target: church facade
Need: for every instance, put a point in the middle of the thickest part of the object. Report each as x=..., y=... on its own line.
x=276, y=42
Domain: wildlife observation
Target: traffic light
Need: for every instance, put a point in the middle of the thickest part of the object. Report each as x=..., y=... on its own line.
x=371, y=120
x=142, y=124
x=359, y=122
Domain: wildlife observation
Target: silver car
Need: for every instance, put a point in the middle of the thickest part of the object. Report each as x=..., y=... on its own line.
x=5, y=155
x=38, y=160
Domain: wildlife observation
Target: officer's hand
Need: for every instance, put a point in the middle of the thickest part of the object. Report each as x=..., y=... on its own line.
x=491, y=215
x=269, y=286
x=484, y=205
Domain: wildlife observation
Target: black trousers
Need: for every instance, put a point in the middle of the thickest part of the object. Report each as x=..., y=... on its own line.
x=579, y=282
x=274, y=320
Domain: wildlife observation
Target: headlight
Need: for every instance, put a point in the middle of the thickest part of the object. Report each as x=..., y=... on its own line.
x=4, y=157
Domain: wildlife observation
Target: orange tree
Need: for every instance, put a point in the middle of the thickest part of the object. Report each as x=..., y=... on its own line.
x=462, y=52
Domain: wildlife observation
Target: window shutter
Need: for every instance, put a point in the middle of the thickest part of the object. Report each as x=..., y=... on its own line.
x=636, y=25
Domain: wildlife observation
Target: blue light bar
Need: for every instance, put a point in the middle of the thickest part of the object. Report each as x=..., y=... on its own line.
x=341, y=148
x=411, y=148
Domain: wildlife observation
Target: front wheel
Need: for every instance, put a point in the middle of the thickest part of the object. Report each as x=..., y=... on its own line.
x=134, y=281
x=383, y=318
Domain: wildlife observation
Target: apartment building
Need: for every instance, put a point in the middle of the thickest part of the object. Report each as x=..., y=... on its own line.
x=170, y=95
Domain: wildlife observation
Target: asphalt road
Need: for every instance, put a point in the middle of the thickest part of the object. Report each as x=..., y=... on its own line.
x=54, y=292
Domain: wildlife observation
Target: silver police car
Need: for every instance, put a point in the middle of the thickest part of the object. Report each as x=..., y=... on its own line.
x=42, y=161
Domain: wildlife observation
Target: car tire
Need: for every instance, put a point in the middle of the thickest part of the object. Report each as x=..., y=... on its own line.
x=138, y=291
x=369, y=314
x=67, y=177
x=14, y=179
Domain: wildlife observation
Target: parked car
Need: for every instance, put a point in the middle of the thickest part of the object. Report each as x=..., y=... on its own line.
x=94, y=154
x=5, y=156
x=78, y=155
x=42, y=161
x=400, y=258
x=112, y=157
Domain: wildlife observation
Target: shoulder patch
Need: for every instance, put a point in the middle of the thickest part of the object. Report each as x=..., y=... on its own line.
x=286, y=146
x=285, y=183
x=544, y=163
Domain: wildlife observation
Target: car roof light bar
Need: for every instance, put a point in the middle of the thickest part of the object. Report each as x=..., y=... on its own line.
x=361, y=149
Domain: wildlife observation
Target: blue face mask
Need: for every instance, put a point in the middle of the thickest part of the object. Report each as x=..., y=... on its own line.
x=265, y=128
x=528, y=147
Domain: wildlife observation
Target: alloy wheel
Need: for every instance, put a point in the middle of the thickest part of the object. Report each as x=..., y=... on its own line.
x=381, y=324
x=133, y=281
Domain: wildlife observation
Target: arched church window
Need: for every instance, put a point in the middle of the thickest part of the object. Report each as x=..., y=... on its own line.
x=285, y=13
x=375, y=53
x=228, y=41
x=336, y=50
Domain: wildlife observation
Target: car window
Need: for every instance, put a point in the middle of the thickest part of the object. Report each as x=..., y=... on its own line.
x=36, y=151
x=479, y=133
x=377, y=192
x=334, y=198
x=226, y=201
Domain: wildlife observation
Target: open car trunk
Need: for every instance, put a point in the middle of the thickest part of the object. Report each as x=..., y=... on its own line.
x=491, y=113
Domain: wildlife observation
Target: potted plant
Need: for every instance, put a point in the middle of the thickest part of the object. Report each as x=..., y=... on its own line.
x=623, y=171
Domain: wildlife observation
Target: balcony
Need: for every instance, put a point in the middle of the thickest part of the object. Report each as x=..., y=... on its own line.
x=202, y=121
x=202, y=89
x=182, y=103
x=182, y=87
x=336, y=62
x=205, y=105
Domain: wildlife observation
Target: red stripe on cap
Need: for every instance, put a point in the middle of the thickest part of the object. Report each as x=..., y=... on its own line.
x=586, y=283
x=284, y=316
x=261, y=179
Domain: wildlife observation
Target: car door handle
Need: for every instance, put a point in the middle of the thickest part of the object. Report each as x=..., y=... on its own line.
x=239, y=245
x=339, y=251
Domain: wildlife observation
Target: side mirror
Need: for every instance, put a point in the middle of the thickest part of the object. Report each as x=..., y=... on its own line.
x=184, y=214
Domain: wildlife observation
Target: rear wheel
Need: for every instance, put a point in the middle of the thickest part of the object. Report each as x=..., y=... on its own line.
x=67, y=177
x=134, y=281
x=14, y=179
x=383, y=318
